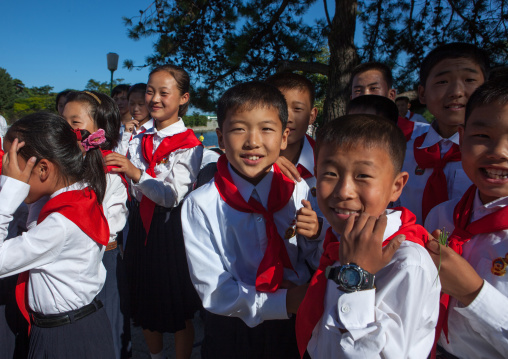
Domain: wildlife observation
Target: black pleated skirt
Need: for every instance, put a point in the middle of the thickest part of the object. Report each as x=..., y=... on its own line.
x=162, y=296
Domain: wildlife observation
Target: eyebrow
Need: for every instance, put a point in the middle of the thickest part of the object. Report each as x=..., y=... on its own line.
x=467, y=69
x=481, y=123
x=371, y=84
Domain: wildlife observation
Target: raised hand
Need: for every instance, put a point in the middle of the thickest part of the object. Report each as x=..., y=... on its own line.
x=11, y=167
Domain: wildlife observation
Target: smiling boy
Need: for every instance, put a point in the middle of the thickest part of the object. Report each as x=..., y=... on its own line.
x=474, y=264
x=369, y=298
x=449, y=74
x=249, y=232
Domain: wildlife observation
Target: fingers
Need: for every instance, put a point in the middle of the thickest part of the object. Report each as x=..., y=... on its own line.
x=306, y=204
x=435, y=234
x=434, y=249
x=29, y=167
x=390, y=249
x=288, y=168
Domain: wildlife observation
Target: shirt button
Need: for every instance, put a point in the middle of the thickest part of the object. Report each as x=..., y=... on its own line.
x=345, y=308
x=259, y=219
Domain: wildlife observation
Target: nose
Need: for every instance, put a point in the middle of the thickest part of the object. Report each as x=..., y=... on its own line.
x=499, y=149
x=253, y=139
x=344, y=189
x=456, y=89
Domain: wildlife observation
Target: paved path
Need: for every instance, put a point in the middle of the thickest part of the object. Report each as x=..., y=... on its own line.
x=140, y=350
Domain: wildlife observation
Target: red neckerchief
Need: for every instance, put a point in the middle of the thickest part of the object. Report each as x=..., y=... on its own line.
x=406, y=126
x=312, y=307
x=271, y=269
x=436, y=189
x=304, y=172
x=72, y=205
x=109, y=170
x=186, y=139
x=464, y=230
x=1, y=154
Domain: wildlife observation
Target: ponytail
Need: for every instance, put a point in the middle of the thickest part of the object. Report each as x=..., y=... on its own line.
x=49, y=136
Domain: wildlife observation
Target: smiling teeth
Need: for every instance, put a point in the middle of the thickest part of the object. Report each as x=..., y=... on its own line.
x=497, y=173
x=345, y=211
x=253, y=158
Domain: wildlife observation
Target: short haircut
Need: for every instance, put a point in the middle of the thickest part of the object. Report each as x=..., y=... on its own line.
x=380, y=105
x=378, y=66
x=292, y=81
x=367, y=130
x=402, y=98
x=182, y=82
x=64, y=94
x=118, y=89
x=492, y=91
x=247, y=96
x=454, y=50
x=137, y=88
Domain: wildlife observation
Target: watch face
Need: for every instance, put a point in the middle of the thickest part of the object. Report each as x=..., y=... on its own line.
x=351, y=277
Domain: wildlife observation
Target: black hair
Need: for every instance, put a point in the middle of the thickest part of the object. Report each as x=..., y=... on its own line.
x=48, y=136
x=64, y=93
x=104, y=112
x=249, y=95
x=292, y=81
x=118, y=89
x=367, y=130
x=137, y=88
x=499, y=72
x=454, y=50
x=380, y=105
x=492, y=91
x=385, y=71
x=182, y=82
x=402, y=98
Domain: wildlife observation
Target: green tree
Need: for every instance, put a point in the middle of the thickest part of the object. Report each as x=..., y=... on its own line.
x=221, y=42
x=102, y=87
x=7, y=91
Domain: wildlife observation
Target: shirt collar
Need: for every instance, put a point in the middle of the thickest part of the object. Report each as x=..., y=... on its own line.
x=144, y=127
x=393, y=223
x=245, y=188
x=306, y=158
x=73, y=187
x=171, y=130
x=433, y=137
x=480, y=210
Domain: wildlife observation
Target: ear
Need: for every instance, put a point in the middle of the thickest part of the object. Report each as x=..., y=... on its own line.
x=421, y=94
x=313, y=115
x=398, y=185
x=461, y=129
x=392, y=93
x=184, y=98
x=284, y=142
x=220, y=137
x=43, y=169
x=408, y=105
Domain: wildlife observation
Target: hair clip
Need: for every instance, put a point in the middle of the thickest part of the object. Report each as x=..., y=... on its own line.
x=77, y=132
x=94, y=140
x=93, y=95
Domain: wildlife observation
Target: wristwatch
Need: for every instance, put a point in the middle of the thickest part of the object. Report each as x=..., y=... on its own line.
x=350, y=277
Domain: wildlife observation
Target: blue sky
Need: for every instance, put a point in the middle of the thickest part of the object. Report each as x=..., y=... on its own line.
x=63, y=43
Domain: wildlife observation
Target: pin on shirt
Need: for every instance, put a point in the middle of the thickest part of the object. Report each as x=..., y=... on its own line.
x=419, y=171
x=499, y=266
x=291, y=231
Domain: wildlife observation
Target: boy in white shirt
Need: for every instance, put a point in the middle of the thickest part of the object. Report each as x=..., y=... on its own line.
x=366, y=301
x=473, y=265
x=249, y=232
x=449, y=74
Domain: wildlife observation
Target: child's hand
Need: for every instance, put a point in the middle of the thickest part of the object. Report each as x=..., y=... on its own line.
x=131, y=125
x=294, y=297
x=288, y=168
x=10, y=165
x=125, y=166
x=361, y=243
x=458, y=278
x=307, y=223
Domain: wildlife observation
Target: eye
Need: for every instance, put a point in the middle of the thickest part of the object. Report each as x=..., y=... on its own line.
x=481, y=135
x=441, y=82
x=363, y=175
x=268, y=129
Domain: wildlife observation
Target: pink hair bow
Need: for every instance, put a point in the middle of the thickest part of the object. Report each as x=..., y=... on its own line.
x=94, y=140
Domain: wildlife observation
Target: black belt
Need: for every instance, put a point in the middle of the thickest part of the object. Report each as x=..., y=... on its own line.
x=56, y=320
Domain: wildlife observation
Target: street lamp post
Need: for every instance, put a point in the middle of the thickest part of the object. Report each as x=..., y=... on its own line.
x=112, y=66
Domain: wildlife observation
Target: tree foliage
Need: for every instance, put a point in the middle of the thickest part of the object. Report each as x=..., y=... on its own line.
x=102, y=87
x=222, y=42
x=195, y=120
x=7, y=91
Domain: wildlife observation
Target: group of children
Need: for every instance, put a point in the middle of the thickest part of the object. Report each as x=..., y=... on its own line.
x=294, y=247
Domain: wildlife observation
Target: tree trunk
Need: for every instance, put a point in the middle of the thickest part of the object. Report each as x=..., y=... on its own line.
x=343, y=58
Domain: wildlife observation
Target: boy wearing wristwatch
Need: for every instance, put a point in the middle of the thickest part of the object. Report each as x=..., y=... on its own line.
x=376, y=292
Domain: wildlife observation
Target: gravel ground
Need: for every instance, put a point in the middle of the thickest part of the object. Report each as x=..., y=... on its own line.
x=140, y=350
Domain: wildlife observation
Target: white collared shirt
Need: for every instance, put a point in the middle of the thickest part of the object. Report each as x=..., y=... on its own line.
x=416, y=117
x=125, y=137
x=225, y=247
x=457, y=181
x=306, y=159
x=175, y=177
x=479, y=330
x=66, y=271
x=394, y=320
